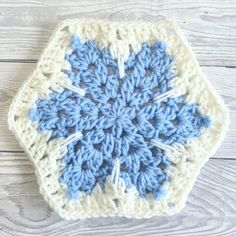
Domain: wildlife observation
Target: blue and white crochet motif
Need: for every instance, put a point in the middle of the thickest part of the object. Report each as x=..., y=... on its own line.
x=119, y=118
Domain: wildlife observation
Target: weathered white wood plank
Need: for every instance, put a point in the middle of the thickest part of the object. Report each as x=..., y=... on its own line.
x=25, y=26
x=211, y=207
x=12, y=76
x=210, y=27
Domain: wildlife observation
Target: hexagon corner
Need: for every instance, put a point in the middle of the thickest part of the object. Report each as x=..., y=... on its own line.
x=117, y=119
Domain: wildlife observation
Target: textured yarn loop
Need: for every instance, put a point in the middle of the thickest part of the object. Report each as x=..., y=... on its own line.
x=117, y=119
x=134, y=117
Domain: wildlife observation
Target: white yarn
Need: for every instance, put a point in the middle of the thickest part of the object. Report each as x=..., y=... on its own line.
x=45, y=156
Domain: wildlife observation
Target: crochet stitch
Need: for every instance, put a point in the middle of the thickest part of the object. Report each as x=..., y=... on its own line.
x=120, y=121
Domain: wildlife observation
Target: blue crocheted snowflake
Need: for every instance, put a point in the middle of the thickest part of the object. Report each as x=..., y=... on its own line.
x=118, y=118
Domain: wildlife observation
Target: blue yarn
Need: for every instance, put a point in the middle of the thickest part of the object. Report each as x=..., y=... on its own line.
x=118, y=118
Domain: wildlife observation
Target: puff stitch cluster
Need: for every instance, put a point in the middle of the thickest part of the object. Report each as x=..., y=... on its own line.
x=118, y=119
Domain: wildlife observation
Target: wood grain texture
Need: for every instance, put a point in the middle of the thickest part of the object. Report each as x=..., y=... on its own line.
x=211, y=207
x=209, y=25
x=12, y=76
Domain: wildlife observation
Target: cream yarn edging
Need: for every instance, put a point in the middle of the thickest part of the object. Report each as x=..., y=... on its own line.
x=116, y=201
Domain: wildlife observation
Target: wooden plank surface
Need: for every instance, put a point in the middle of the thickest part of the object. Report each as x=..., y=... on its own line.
x=210, y=209
x=210, y=27
x=12, y=76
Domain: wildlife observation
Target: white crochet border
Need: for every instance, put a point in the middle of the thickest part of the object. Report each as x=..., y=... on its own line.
x=46, y=156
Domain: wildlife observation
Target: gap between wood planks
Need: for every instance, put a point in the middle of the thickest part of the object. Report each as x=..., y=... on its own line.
x=14, y=72
x=33, y=61
x=210, y=209
x=212, y=158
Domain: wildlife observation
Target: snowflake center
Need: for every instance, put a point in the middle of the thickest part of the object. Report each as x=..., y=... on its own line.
x=125, y=124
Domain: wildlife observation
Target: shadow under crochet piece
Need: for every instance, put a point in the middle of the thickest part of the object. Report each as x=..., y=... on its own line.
x=118, y=119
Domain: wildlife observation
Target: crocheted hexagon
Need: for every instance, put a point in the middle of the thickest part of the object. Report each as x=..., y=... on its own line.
x=118, y=119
